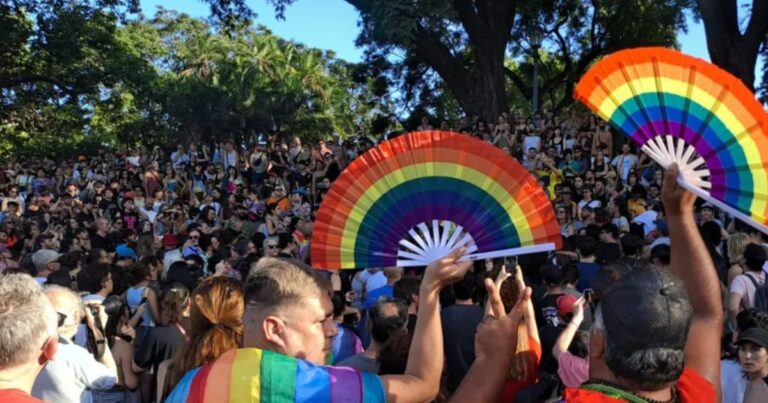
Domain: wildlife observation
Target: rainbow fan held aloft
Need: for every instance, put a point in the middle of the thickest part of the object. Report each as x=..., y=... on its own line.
x=682, y=109
x=413, y=199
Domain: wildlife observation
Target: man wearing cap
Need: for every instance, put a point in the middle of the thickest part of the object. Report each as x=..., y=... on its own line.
x=172, y=252
x=753, y=357
x=46, y=261
x=656, y=334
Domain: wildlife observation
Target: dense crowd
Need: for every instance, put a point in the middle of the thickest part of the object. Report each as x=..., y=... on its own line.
x=159, y=266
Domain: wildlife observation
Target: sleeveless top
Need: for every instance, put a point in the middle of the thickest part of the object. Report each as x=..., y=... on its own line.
x=133, y=298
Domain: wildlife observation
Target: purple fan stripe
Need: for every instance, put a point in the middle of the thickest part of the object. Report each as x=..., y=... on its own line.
x=345, y=385
x=714, y=165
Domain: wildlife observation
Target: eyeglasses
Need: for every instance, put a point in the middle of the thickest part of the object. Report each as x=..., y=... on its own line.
x=272, y=246
x=194, y=237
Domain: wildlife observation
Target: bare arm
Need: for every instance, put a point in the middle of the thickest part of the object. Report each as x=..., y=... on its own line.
x=495, y=345
x=757, y=392
x=567, y=335
x=421, y=381
x=154, y=308
x=691, y=263
x=732, y=306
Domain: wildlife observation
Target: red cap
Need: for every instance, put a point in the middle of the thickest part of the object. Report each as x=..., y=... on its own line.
x=565, y=304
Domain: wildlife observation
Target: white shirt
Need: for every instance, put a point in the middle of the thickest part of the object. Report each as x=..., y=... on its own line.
x=152, y=214
x=179, y=158
x=624, y=163
x=648, y=220
x=169, y=258
x=70, y=374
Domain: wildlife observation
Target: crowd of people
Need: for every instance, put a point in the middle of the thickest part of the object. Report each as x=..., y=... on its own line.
x=147, y=275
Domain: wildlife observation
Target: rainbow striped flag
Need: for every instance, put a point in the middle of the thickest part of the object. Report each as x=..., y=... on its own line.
x=254, y=375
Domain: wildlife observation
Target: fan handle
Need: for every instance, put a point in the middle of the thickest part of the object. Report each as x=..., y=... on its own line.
x=732, y=211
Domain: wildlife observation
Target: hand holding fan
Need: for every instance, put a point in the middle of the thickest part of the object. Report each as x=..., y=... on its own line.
x=415, y=198
x=683, y=110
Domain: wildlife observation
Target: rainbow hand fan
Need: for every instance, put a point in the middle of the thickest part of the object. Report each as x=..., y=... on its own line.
x=413, y=199
x=683, y=110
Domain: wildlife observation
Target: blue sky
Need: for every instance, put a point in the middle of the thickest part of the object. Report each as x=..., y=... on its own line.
x=332, y=24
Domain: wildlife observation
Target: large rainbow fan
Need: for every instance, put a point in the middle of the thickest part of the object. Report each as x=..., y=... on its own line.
x=413, y=199
x=682, y=109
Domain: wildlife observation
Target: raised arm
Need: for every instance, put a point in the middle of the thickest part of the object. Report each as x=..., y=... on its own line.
x=421, y=381
x=529, y=315
x=691, y=263
x=567, y=335
x=495, y=345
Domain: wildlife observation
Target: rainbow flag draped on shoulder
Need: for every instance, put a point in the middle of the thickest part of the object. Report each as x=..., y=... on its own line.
x=253, y=375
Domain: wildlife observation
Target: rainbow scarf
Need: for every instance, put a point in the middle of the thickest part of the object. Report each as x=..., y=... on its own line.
x=253, y=375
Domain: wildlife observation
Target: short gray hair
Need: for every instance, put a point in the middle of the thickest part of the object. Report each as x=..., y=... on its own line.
x=275, y=283
x=27, y=319
x=67, y=303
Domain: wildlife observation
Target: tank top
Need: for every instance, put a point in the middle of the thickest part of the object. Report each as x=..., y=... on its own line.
x=133, y=298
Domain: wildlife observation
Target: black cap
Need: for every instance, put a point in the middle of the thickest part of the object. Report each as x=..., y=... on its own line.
x=646, y=309
x=754, y=335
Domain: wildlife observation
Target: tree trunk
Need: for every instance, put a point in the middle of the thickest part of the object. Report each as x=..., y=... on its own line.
x=728, y=47
x=489, y=97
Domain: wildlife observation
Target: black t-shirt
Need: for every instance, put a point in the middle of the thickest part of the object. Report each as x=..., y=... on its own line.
x=548, y=335
x=160, y=344
x=459, y=325
x=100, y=242
x=333, y=171
x=607, y=252
x=546, y=310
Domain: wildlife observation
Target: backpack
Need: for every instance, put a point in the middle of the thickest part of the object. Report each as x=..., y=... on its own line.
x=761, y=295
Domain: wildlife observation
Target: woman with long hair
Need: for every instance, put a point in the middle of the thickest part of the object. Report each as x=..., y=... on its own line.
x=140, y=294
x=165, y=340
x=216, y=326
x=524, y=370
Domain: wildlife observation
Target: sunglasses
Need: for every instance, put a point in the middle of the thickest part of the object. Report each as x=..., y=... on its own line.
x=272, y=246
x=194, y=237
x=62, y=319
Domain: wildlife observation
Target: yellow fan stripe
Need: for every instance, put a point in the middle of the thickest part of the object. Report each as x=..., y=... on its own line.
x=624, y=92
x=416, y=171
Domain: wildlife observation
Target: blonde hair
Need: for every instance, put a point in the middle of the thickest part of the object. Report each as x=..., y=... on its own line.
x=736, y=245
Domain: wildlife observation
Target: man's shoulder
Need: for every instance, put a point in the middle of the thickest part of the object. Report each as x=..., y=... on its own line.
x=691, y=387
x=283, y=378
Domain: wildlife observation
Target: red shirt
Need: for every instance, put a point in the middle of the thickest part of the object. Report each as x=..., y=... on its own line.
x=691, y=387
x=16, y=396
x=513, y=386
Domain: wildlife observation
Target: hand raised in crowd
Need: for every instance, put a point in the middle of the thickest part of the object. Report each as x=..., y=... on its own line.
x=578, y=311
x=89, y=318
x=500, y=326
x=447, y=270
x=677, y=200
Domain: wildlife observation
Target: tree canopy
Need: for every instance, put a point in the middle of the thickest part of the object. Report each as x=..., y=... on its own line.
x=465, y=46
x=81, y=73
